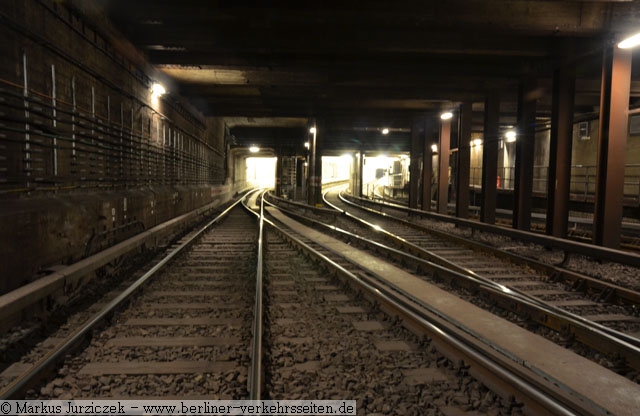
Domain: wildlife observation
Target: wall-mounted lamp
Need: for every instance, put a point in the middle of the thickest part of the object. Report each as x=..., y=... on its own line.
x=630, y=42
x=511, y=136
x=312, y=130
x=254, y=149
x=306, y=144
x=157, y=90
x=446, y=116
x=385, y=131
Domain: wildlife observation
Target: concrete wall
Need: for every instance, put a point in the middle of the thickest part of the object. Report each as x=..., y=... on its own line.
x=88, y=156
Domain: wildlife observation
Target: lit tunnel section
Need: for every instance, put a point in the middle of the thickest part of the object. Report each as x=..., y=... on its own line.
x=261, y=172
x=382, y=175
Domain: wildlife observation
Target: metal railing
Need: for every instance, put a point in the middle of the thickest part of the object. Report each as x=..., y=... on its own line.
x=583, y=180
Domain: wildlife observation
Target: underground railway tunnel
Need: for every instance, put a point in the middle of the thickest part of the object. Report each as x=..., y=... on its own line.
x=123, y=125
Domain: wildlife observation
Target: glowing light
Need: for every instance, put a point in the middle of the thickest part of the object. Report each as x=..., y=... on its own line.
x=157, y=90
x=630, y=42
x=434, y=148
x=312, y=130
x=254, y=149
x=346, y=156
x=385, y=131
x=306, y=144
x=477, y=142
x=446, y=116
x=511, y=136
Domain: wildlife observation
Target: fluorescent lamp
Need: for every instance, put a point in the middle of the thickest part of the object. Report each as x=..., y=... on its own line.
x=446, y=116
x=157, y=89
x=630, y=42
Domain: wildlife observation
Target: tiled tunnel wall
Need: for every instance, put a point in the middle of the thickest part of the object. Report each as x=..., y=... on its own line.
x=88, y=157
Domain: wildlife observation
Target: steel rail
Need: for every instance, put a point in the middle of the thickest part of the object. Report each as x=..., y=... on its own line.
x=611, y=341
x=568, y=246
x=540, y=394
x=19, y=384
x=599, y=337
x=256, y=372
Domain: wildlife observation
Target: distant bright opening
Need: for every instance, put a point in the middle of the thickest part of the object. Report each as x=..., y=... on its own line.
x=336, y=168
x=385, y=174
x=261, y=172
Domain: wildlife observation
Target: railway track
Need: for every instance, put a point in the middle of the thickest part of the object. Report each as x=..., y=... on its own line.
x=331, y=331
x=365, y=269
x=183, y=334
x=535, y=295
x=326, y=342
x=580, y=228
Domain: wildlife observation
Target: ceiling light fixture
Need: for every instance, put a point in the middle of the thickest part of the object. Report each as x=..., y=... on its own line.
x=477, y=142
x=385, y=131
x=254, y=149
x=511, y=136
x=446, y=116
x=434, y=148
x=630, y=42
x=306, y=144
x=312, y=130
x=157, y=90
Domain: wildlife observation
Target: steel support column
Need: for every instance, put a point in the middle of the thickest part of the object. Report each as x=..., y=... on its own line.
x=414, y=164
x=525, y=147
x=490, y=158
x=427, y=163
x=614, y=117
x=318, y=150
x=558, y=185
x=463, y=161
x=444, y=150
x=311, y=182
x=360, y=172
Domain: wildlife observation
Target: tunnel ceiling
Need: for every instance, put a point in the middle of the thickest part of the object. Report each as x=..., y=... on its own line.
x=366, y=65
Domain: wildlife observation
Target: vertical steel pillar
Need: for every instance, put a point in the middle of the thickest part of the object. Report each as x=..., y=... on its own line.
x=444, y=150
x=414, y=165
x=360, y=172
x=315, y=163
x=321, y=133
x=558, y=185
x=614, y=118
x=490, y=158
x=427, y=163
x=464, y=161
x=525, y=147
x=311, y=171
